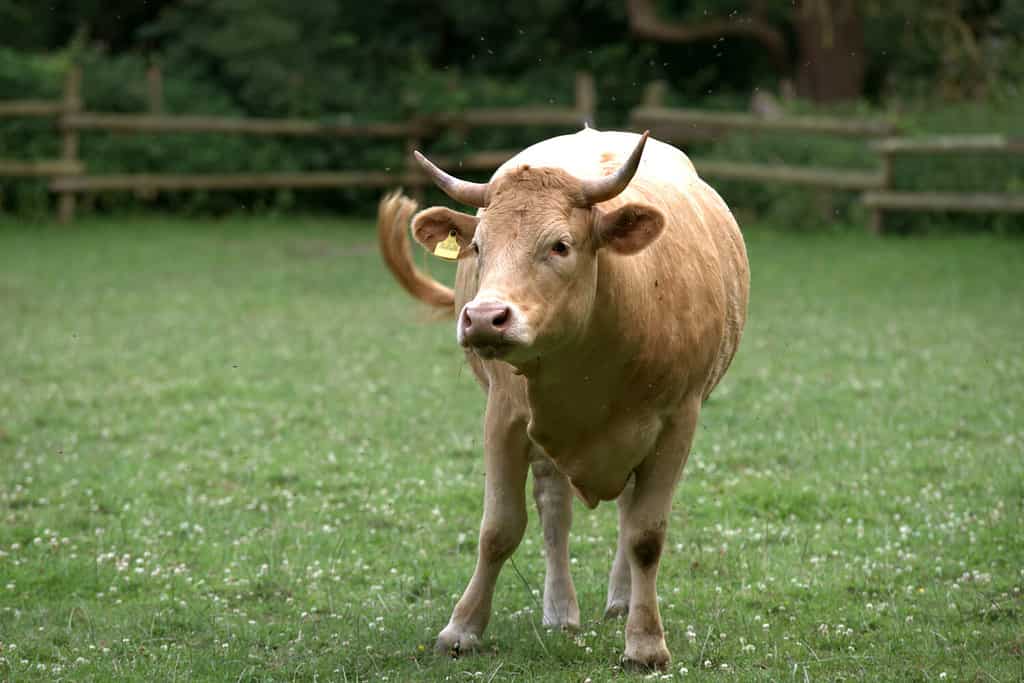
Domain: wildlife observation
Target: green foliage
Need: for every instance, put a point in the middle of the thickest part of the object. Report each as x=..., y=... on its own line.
x=276, y=57
x=954, y=50
x=29, y=78
x=244, y=459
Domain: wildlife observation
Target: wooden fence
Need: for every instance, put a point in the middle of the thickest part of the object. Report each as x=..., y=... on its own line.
x=682, y=126
x=69, y=176
x=688, y=126
x=884, y=198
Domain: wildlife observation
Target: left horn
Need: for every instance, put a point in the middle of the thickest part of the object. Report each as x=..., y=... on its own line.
x=474, y=194
x=603, y=189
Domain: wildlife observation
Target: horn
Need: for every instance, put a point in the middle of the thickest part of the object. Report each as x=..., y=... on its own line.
x=474, y=194
x=603, y=189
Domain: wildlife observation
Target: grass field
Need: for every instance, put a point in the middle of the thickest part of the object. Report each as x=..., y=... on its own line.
x=236, y=451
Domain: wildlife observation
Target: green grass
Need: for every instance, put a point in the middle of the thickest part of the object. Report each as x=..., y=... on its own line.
x=236, y=451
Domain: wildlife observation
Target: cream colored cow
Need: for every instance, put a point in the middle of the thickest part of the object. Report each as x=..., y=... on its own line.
x=600, y=296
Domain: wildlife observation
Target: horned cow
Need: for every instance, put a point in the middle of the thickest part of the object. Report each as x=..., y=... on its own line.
x=600, y=296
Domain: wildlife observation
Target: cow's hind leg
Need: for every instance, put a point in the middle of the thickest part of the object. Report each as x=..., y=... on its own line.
x=506, y=459
x=553, y=495
x=617, y=604
x=645, y=522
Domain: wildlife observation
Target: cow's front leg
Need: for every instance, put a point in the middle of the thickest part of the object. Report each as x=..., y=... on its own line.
x=553, y=495
x=646, y=520
x=506, y=458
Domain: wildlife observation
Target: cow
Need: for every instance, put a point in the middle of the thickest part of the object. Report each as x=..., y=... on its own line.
x=600, y=296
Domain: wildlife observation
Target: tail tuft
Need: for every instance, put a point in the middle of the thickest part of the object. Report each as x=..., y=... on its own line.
x=394, y=215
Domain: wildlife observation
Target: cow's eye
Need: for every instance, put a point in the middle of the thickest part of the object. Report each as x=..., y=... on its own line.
x=475, y=248
x=560, y=248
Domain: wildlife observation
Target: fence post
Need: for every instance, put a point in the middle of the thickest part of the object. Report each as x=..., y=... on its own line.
x=412, y=169
x=71, y=104
x=877, y=226
x=155, y=89
x=586, y=97
x=654, y=94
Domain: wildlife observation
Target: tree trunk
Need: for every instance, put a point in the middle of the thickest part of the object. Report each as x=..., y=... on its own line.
x=830, y=35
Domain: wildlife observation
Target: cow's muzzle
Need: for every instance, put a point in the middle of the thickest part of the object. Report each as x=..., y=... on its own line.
x=485, y=326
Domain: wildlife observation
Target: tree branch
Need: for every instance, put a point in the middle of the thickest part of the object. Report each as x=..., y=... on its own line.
x=644, y=23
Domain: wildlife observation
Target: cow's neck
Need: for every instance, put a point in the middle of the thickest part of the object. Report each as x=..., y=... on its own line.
x=574, y=391
x=566, y=390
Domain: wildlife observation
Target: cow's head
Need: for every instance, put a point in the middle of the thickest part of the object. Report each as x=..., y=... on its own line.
x=535, y=248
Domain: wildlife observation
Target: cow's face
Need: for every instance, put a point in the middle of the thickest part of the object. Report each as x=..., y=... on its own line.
x=535, y=253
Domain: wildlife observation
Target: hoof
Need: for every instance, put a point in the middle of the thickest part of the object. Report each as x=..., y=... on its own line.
x=646, y=665
x=562, y=624
x=563, y=615
x=454, y=643
x=648, y=654
x=614, y=610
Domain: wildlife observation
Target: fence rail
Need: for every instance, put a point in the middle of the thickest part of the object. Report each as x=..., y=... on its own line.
x=958, y=202
x=476, y=161
x=151, y=182
x=653, y=117
x=43, y=168
x=30, y=108
x=150, y=123
x=950, y=144
x=538, y=116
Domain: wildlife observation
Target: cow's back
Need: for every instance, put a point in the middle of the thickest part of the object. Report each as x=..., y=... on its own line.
x=590, y=154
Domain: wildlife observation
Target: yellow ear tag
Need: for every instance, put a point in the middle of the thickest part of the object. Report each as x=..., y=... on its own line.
x=448, y=248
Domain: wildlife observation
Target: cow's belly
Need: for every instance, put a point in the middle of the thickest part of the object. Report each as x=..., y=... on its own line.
x=599, y=463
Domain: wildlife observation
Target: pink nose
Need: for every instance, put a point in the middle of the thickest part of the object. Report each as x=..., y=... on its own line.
x=484, y=321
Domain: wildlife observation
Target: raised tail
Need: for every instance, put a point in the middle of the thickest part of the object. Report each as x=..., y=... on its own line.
x=394, y=216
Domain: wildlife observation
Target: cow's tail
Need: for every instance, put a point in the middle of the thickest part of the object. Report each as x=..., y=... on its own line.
x=393, y=218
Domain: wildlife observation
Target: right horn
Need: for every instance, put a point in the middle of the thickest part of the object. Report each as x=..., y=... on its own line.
x=603, y=189
x=474, y=194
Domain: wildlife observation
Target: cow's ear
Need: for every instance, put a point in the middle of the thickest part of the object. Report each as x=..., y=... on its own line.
x=432, y=225
x=630, y=228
